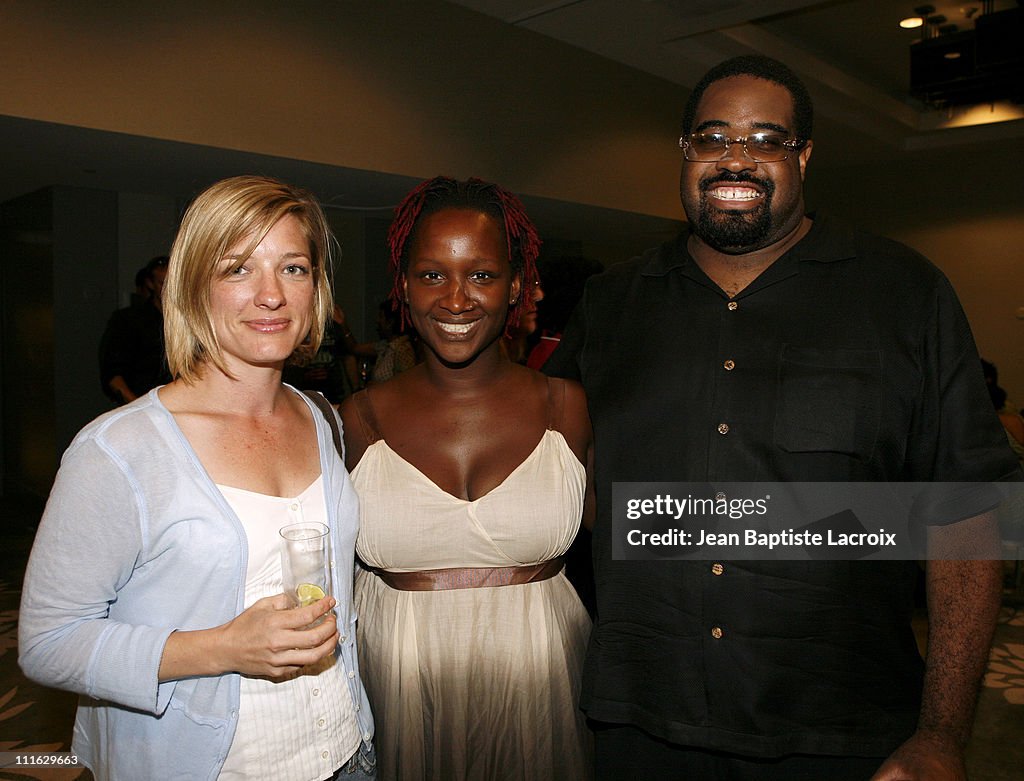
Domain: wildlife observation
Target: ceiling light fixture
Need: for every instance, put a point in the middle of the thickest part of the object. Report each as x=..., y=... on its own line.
x=921, y=12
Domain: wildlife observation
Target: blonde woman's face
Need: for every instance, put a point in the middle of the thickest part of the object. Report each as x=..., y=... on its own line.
x=263, y=309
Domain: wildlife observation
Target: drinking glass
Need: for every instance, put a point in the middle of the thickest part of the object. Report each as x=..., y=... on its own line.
x=306, y=562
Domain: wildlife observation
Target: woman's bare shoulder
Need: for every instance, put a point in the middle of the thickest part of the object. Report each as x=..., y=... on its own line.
x=574, y=398
x=354, y=430
x=367, y=414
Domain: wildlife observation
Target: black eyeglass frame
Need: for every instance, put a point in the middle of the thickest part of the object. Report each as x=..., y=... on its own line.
x=790, y=144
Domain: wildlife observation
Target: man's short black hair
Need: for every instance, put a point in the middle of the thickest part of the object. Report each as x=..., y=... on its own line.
x=762, y=68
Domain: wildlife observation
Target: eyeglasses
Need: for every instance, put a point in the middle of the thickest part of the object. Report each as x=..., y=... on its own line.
x=759, y=147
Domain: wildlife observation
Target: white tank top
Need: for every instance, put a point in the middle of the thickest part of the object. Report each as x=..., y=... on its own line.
x=302, y=728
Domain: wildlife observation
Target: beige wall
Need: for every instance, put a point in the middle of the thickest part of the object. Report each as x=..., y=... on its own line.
x=413, y=88
x=420, y=88
x=962, y=207
x=984, y=259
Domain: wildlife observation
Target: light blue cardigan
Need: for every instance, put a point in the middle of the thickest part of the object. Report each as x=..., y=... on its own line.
x=136, y=542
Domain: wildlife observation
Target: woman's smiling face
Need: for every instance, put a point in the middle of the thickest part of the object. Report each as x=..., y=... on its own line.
x=459, y=283
x=263, y=308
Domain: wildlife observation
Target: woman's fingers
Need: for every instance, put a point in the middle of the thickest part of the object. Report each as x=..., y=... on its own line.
x=272, y=638
x=312, y=645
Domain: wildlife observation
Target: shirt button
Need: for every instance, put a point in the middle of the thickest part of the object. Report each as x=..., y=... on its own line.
x=716, y=632
x=316, y=692
x=732, y=306
x=366, y=736
x=325, y=755
x=729, y=365
x=717, y=569
x=294, y=507
x=321, y=722
x=341, y=639
x=351, y=673
x=723, y=428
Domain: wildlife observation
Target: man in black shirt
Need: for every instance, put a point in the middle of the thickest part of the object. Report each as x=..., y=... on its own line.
x=131, y=353
x=770, y=346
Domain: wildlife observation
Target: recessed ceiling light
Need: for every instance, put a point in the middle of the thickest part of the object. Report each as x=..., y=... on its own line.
x=952, y=55
x=920, y=13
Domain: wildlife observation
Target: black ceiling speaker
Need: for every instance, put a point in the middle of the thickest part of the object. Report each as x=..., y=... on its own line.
x=982, y=65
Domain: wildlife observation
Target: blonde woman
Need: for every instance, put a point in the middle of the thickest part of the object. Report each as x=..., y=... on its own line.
x=154, y=585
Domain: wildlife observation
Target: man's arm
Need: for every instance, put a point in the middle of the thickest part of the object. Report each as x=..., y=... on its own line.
x=119, y=386
x=963, y=602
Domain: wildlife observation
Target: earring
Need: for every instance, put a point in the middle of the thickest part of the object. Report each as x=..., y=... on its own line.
x=513, y=301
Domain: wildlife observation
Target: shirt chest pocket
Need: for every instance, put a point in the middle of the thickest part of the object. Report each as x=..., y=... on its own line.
x=829, y=400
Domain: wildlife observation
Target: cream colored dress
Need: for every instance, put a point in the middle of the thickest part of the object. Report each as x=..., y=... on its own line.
x=477, y=683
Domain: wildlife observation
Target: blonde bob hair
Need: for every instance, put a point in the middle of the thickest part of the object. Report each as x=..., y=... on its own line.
x=228, y=213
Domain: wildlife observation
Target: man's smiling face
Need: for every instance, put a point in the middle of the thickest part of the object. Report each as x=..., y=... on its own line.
x=736, y=205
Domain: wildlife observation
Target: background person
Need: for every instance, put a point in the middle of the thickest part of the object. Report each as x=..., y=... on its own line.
x=1007, y=411
x=144, y=281
x=330, y=369
x=563, y=279
x=132, y=347
x=1011, y=515
x=395, y=350
x=154, y=584
x=1012, y=422
x=520, y=338
x=769, y=346
x=471, y=476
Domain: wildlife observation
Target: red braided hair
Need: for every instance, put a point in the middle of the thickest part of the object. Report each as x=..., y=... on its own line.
x=443, y=192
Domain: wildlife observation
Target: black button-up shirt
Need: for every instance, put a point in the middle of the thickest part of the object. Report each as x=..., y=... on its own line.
x=848, y=359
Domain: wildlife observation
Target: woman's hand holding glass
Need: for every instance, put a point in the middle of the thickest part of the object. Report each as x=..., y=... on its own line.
x=272, y=639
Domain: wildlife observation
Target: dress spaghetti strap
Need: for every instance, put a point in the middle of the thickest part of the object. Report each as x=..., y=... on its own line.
x=367, y=417
x=556, y=402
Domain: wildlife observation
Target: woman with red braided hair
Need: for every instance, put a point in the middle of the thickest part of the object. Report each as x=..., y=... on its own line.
x=471, y=472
